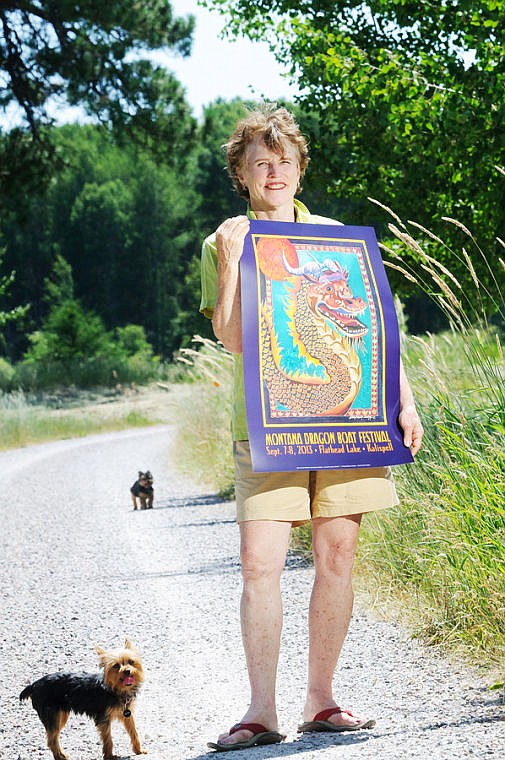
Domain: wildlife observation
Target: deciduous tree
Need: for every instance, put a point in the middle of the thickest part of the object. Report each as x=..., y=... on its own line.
x=408, y=98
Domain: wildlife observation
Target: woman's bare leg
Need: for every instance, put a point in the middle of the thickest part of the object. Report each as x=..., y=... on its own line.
x=263, y=550
x=334, y=543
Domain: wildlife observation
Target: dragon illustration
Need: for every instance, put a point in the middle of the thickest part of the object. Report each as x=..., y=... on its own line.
x=317, y=371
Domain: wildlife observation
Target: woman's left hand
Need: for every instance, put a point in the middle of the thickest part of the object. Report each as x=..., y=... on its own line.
x=413, y=430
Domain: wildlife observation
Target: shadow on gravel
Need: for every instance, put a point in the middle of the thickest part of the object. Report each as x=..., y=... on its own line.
x=312, y=743
x=204, y=523
x=470, y=721
x=220, y=567
x=202, y=500
x=483, y=720
x=295, y=560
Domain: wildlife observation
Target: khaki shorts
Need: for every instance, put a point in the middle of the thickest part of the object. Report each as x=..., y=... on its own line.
x=302, y=495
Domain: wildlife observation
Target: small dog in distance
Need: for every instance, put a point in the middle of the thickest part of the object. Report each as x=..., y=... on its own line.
x=104, y=697
x=143, y=490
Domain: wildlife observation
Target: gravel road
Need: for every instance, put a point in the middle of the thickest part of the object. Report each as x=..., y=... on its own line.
x=79, y=567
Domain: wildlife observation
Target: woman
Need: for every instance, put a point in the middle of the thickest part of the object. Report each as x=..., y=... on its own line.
x=267, y=158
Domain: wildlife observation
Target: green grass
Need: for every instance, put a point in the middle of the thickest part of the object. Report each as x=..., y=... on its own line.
x=443, y=547
x=23, y=423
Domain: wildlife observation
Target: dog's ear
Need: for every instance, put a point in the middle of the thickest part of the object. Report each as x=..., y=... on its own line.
x=101, y=654
x=140, y=473
x=128, y=644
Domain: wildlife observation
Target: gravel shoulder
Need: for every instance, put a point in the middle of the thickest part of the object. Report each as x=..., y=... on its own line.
x=79, y=567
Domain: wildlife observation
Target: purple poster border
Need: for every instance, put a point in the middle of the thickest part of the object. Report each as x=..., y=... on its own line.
x=313, y=286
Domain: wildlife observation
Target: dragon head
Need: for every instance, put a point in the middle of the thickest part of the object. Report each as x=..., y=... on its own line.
x=328, y=294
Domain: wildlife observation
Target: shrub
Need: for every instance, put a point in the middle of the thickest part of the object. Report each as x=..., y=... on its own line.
x=7, y=374
x=137, y=363
x=74, y=348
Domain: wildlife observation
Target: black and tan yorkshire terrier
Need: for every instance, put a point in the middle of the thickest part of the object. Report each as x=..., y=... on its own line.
x=143, y=490
x=104, y=697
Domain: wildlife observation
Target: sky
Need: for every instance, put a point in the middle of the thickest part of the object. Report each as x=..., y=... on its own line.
x=220, y=68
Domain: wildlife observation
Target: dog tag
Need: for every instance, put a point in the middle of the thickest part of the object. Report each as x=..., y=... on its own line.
x=127, y=713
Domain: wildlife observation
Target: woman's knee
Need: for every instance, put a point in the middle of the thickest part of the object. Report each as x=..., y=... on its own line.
x=263, y=548
x=335, y=559
x=334, y=549
x=258, y=565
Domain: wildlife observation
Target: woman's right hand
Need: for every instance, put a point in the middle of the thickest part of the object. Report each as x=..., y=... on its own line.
x=230, y=236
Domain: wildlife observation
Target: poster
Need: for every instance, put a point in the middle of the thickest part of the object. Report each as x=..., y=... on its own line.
x=320, y=347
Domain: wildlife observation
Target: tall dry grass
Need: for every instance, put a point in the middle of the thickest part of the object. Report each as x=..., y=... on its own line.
x=444, y=546
x=203, y=415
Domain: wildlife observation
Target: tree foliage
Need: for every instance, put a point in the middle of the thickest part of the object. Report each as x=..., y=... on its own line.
x=73, y=345
x=59, y=286
x=14, y=313
x=217, y=198
x=128, y=229
x=406, y=97
x=92, y=54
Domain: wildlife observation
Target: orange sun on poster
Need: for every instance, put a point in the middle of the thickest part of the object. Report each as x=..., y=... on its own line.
x=270, y=252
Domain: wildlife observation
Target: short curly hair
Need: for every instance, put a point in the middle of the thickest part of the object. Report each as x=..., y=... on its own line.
x=275, y=126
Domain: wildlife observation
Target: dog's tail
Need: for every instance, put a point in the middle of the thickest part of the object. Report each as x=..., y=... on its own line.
x=26, y=693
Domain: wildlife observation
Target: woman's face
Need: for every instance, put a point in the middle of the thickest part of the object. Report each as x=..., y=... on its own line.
x=271, y=179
